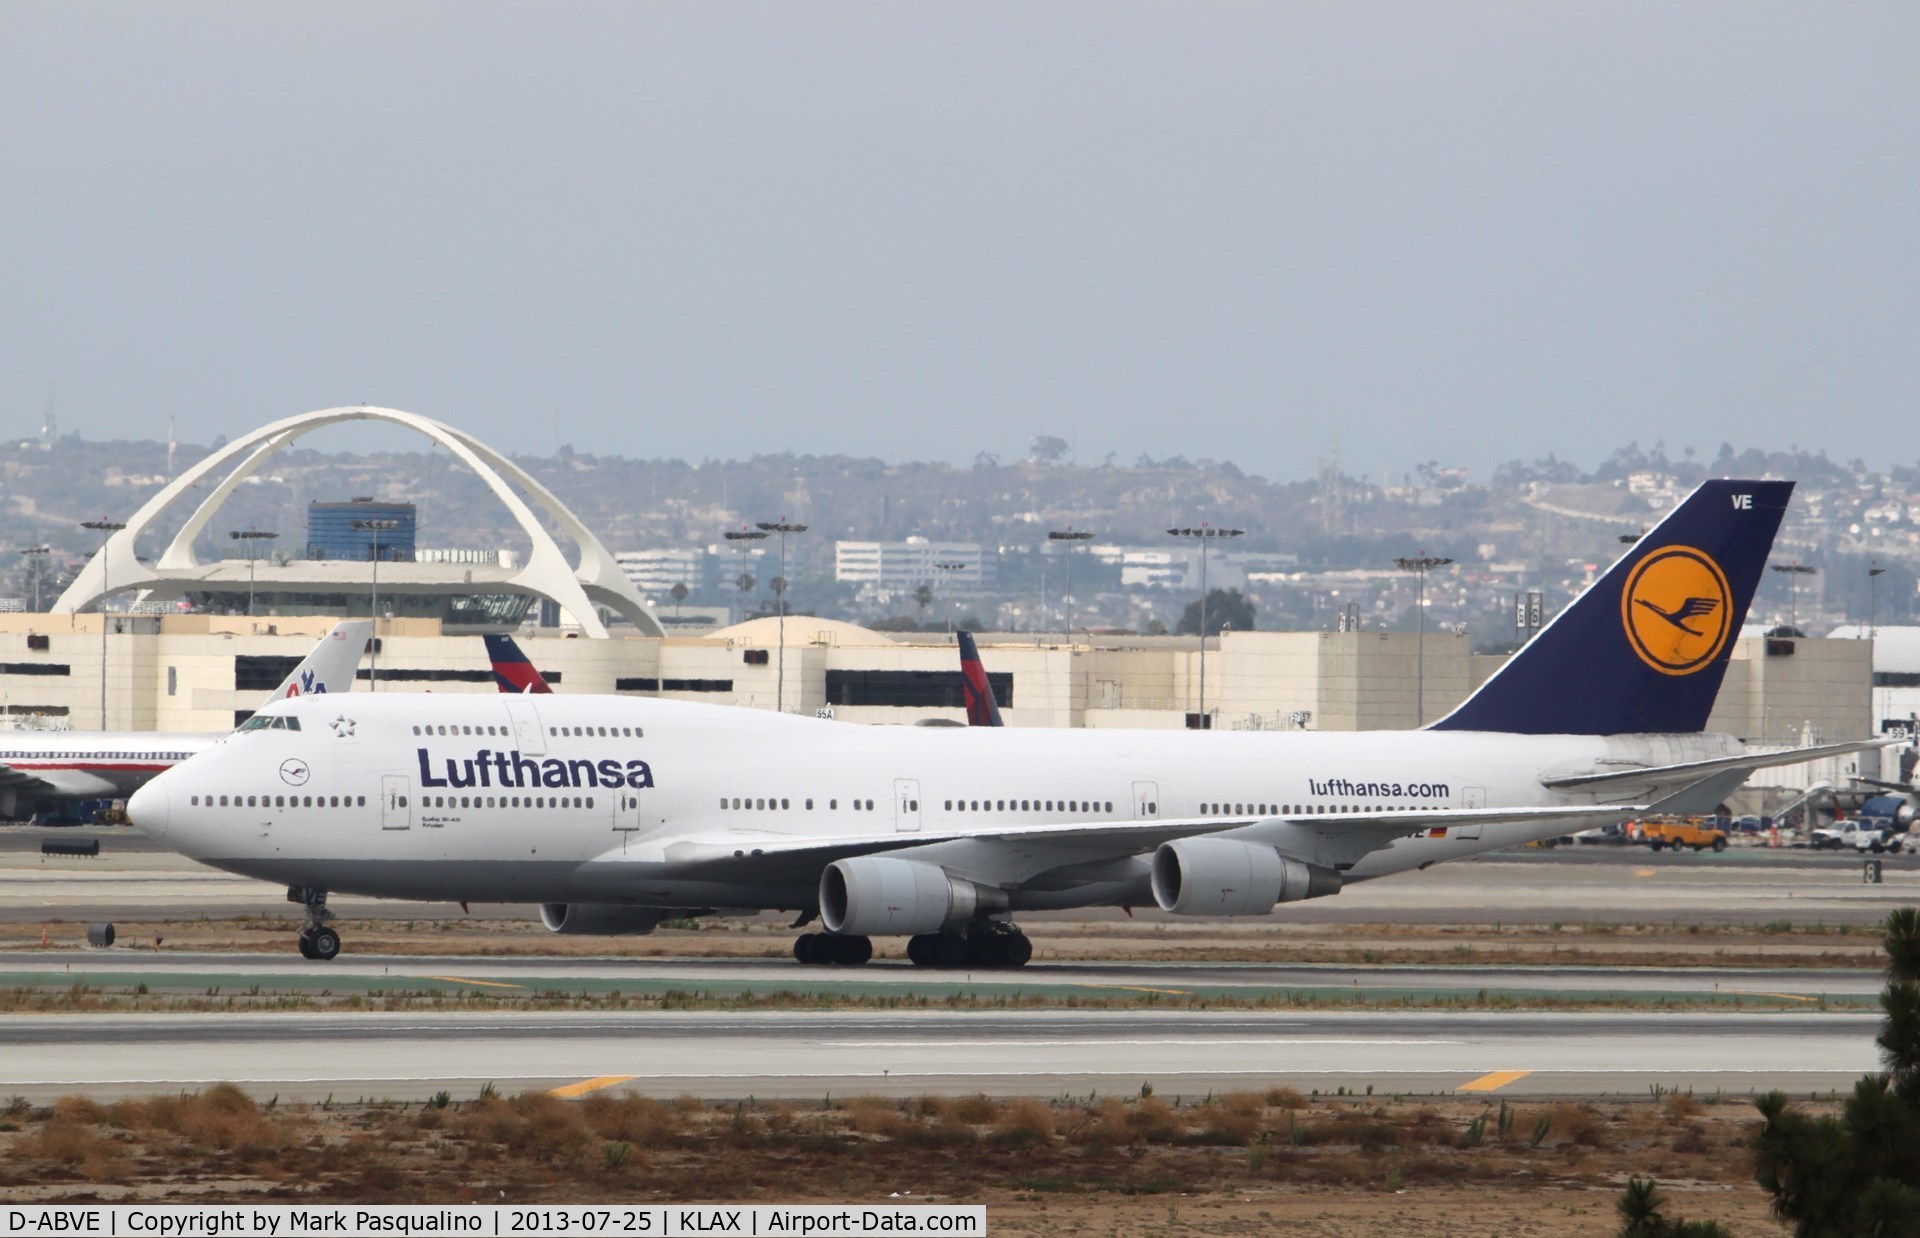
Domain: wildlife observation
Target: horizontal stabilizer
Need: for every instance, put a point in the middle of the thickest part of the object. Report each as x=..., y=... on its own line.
x=1688, y=771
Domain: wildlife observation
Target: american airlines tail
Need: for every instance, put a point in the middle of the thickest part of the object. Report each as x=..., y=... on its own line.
x=1645, y=648
x=332, y=665
x=512, y=671
x=982, y=709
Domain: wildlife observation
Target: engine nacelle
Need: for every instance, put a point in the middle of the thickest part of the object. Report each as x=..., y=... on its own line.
x=1223, y=877
x=602, y=919
x=872, y=895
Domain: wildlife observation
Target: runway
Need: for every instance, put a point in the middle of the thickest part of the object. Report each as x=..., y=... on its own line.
x=285, y=973
x=781, y=1054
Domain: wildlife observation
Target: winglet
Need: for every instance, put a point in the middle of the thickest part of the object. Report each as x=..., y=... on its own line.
x=1645, y=648
x=982, y=709
x=512, y=672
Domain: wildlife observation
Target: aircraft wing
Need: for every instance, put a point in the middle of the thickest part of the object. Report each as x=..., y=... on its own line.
x=1011, y=855
x=28, y=780
x=1636, y=776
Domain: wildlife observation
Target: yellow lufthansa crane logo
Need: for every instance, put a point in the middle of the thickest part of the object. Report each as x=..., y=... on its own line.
x=1677, y=609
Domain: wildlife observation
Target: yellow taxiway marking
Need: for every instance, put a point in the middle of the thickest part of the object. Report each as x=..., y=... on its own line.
x=589, y=1085
x=1646, y=872
x=1785, y=997
x=1139, y=988
x=1493, y=1082
x=485, y=984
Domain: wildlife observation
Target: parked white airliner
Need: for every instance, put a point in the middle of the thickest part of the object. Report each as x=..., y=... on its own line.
x=614, y=812
x=45, y=769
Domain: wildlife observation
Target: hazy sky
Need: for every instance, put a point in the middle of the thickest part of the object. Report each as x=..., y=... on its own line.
x=1250, y=231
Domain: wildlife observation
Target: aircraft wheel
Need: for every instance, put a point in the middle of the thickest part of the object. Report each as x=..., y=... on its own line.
x=1019, y=950
x=852, y=951
x=950, y=950
x=920, y=950
x=806, y=949
x=305, y=942
x=326, y=943
x=987, y=950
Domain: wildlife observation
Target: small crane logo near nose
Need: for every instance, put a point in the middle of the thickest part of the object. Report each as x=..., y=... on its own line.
x=293, y=771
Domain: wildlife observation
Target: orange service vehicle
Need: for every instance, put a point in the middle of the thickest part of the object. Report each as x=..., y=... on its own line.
x=1682, y=833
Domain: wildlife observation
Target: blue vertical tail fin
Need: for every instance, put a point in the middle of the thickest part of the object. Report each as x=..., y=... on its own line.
x=1645, y=648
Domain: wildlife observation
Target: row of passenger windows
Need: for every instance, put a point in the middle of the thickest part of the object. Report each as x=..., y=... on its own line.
x=605, y=732
x=283, y=801
x=94, y=756
x=1283, y=810
x=1029, y=805
x=775, y=805
x=506, y=801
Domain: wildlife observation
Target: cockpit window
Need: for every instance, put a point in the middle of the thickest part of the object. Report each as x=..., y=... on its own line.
x=270, y=722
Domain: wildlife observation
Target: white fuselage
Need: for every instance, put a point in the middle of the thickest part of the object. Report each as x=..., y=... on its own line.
x=618, y=800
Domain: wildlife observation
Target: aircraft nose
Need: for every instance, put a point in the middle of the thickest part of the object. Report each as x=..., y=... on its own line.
x=151, y=807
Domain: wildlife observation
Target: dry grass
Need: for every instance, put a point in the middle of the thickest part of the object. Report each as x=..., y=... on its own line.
x=222, y=1144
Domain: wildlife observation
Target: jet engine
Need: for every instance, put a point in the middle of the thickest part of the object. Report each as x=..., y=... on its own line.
x=877, y=896
x=1223, y=877
x=602, y=919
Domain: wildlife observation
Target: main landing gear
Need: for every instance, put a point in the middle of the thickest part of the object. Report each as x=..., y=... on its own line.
x=833, y=949
x=984, y=943
x=317, y=940
x=992, y=943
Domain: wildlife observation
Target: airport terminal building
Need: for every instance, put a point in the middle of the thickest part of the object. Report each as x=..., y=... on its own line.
x=589, y=630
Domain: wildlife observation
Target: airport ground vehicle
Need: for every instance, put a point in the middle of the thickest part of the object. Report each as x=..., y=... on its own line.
x=1700, y=835
x=1875, y=834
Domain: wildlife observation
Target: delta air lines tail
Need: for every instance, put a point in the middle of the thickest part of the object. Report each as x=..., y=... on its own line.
x=982, y=709
x=512, y=670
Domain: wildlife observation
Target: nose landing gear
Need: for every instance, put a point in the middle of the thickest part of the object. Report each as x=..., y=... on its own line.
x=317, y=939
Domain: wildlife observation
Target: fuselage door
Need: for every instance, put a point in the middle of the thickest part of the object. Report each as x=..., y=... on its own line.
x=396, y=809
x=1470, y=797
x=626, y=808
x=529, y=736
x=1146, y=800
x=906, y=805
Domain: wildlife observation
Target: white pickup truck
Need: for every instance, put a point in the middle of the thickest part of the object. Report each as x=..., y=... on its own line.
x=1875, y=834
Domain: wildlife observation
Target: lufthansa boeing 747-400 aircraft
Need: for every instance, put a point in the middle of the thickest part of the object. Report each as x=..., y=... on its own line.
x=612, y=813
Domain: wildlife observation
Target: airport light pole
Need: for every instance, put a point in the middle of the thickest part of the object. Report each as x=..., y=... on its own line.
x=106, y=529
x=1206, y=534
x=761, y=534
x=1069, y=536
x=781, y=527
x=947, y=571
x=375, y=527
x=1420, y=564
x=252, y=537
x=36, y=563
x=1874, y=571
x=1793, y=572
